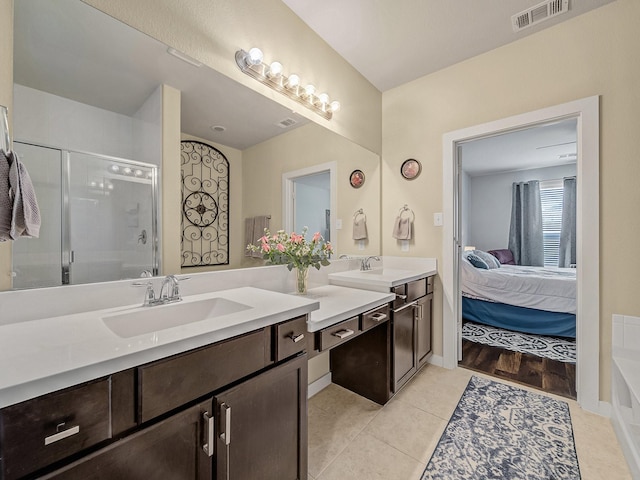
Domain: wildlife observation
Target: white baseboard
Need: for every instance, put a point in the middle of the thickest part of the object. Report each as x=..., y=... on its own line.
x=320, y=384
x=437, y=360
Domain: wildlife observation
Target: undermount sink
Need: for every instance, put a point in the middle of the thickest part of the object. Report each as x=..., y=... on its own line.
x=152, y=319
x=387, y=272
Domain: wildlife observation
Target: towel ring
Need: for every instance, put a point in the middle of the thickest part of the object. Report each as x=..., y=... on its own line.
x=359, y=212
x=408, y=211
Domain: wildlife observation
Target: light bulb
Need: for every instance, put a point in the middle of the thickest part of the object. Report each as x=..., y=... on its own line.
x=323, y=98
x=335, y=106
x=93, y=184
x=275, y=69
x=110, y=186
x=127, y=170
x=293, y=80
x=254, y=57
x=115, y=168
x=309, y=90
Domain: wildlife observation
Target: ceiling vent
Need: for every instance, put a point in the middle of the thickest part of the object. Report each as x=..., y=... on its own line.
x=286, y=123
x=539, y=13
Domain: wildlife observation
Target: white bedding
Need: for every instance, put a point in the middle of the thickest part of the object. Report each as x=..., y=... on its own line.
x=542, y=288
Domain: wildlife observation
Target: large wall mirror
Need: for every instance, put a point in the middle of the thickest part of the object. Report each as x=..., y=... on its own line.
x=88, y=114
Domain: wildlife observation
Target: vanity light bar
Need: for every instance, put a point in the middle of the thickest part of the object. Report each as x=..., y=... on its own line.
x=271, y=75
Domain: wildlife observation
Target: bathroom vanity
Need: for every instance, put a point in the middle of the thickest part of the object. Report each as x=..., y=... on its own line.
x=213, y=386
x=232, y=407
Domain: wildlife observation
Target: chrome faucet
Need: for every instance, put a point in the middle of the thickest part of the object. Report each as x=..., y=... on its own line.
x=364, y=263
x=169, y=291
x=172, y=294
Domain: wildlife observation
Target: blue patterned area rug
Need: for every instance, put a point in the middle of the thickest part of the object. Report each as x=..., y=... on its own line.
x=561, y=349
x=502, y=432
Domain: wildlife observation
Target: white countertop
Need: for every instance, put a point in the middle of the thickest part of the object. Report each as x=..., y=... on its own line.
x=340, y=303
x=42, y=356
x=379, y=279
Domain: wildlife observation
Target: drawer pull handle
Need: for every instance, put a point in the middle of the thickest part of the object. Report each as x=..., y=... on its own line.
x=60, y=435
x=344, y=333
x=296, y=338
x=401, y=297
x=226, y=435
x=208, y=447
x=378, y=317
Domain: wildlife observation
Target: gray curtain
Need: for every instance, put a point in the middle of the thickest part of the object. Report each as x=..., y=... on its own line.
x=525, y=233
x=567, y=256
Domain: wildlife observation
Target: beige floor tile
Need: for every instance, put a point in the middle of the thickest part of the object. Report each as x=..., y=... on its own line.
x=369, y=458
x=435, y=391
x=599, y=453
x=336, y=416
x=408, y=429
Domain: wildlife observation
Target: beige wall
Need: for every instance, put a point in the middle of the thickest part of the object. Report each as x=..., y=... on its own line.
x=309, y=145
x=6, y=99
x=593, y=54
x=212, y=31
x=236, y=221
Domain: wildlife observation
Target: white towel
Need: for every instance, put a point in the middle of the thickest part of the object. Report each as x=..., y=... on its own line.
x=402, y=228
x=360, y=228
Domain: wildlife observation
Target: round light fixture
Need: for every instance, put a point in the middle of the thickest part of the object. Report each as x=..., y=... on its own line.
x=335, y=106
x=254, y=56
x=323, y=98
x=275, y=69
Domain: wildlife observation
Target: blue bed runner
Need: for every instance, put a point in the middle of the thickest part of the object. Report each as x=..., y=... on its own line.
x=519, y=319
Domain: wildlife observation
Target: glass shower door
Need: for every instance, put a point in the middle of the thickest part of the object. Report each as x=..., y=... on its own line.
x=111, y=218
x=37, y=261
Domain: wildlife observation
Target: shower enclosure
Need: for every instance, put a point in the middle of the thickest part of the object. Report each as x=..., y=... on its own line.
x=99, y=219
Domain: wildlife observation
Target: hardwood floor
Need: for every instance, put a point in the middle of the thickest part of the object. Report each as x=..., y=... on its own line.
x=549, y=375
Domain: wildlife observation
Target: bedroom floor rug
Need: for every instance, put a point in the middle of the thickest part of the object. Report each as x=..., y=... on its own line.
x=548, y=347
x=502, y=432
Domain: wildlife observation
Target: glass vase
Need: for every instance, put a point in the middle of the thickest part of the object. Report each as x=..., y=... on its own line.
x=302, y=273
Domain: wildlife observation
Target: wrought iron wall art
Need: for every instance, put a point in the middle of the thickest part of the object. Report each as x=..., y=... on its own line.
x=205, y=205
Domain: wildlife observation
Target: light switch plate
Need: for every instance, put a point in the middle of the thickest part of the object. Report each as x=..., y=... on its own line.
x=360, y=244
x=437, y=219
x=404, y=245
x=338, y=224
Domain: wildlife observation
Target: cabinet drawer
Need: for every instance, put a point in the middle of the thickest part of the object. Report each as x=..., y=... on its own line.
x=290, y=337
x=337, y=334
x=416, y=289
x=374, y=317
x=49, y=428
x=172, y=382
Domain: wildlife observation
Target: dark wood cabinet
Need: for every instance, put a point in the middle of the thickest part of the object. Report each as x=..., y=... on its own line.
x=411, y=329
x=171, y=448
x=262, y=426
x=233, y=410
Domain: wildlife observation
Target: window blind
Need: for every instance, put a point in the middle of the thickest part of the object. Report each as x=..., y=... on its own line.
x=551, y=193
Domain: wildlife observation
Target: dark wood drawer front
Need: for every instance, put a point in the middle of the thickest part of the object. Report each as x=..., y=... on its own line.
x=175, y=381
x=337, y=334
x=49, y=428
x=430, y=284
x=401, y=295
x=290, y=337
x=374, y=317
x=416, y=289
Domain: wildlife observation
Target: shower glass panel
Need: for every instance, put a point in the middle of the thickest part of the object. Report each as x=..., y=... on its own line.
x=98, y=219
x=37, y=261
x=110, y=217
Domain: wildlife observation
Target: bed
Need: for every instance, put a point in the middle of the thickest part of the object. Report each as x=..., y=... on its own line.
x=538, y=300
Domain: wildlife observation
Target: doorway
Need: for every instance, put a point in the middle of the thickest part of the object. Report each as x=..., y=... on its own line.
x=309, y=199
x=586, y=112
x=499, y=342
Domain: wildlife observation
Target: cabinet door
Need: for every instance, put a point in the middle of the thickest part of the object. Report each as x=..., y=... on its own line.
x=262, y=425
x=423, y=313
x=172, y=448
x=404, y=345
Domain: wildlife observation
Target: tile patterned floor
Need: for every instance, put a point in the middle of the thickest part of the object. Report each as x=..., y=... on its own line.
x=352, y=438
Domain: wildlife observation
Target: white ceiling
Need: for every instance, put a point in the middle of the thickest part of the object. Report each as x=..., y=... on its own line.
x=391, y=42
x=535, y=147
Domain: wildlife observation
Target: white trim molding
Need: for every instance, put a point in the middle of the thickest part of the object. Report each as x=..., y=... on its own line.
x=586, y=111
